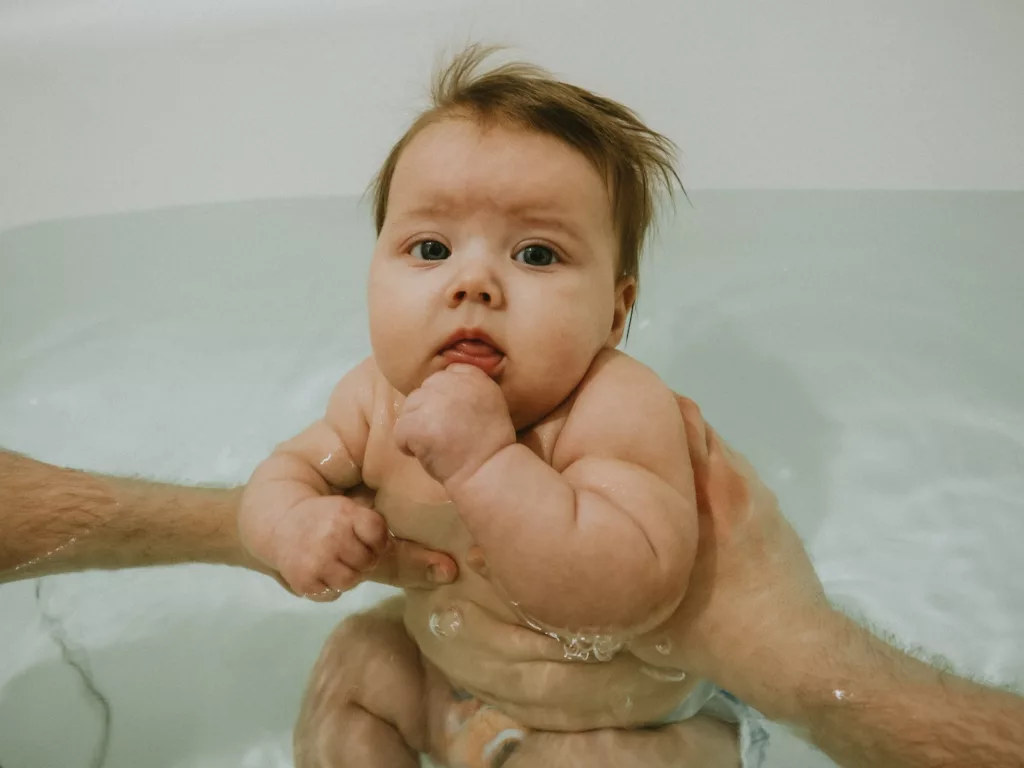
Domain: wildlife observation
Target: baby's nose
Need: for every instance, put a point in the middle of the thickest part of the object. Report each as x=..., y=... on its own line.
x=474, y=294
x=477, y=285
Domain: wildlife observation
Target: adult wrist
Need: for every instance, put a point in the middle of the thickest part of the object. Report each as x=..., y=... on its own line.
x=798, y=665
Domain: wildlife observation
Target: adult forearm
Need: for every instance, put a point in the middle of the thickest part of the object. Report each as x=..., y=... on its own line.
x=865, y=703
x=54, y=520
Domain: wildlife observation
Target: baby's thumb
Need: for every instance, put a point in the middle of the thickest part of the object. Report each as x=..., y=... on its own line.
x=407, y=564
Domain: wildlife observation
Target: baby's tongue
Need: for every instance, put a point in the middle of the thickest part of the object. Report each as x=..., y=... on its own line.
x=474, y=348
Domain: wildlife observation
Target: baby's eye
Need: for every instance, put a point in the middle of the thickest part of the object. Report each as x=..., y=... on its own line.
x=431, y=250
x=536, y=256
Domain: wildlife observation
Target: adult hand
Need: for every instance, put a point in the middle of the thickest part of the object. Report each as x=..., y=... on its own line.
x=751, y=593
x=752, y=586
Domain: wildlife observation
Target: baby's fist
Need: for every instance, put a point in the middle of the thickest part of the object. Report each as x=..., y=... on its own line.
x=455, y=421
x=326, y=545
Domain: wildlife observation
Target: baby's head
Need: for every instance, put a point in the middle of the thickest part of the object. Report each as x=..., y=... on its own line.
x=510, y=221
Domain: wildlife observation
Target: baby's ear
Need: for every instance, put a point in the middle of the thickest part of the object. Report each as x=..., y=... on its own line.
x=625, y=296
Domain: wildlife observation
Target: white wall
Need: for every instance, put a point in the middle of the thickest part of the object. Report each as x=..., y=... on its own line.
x=115, y=105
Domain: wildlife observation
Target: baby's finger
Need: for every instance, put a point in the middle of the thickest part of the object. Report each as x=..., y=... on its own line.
x=320, y=592
x=339, y=577
x=354, y=554
x=362, y=495
x=371, y=529
x=401, y=433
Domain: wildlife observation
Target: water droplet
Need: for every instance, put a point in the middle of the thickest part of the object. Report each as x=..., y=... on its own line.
x=663, y=646
x=576, y=646
x=446, y=623
x=663, y=674
x=840, y=695
x=624, y=708
x=41, y=558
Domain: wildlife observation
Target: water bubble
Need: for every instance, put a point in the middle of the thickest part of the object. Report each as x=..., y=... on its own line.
x=587, y=647
x=663, y=646
x=576, y=646
x=663, y=674
x=446, y=623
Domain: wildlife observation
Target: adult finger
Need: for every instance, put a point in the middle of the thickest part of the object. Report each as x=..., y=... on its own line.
x=697, y=445
x=696, y=428
x=407, y=564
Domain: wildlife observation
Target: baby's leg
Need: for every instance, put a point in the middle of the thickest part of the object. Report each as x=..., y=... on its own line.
x=365, y=704
x=701, y=741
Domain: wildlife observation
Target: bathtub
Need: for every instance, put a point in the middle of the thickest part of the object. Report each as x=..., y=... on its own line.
x=861, y=345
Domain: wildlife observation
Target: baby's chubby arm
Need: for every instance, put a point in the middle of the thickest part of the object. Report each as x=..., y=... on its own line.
x=604, y=540
x=292, y=517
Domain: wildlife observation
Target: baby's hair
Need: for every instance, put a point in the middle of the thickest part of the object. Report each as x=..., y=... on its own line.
x=637, y=162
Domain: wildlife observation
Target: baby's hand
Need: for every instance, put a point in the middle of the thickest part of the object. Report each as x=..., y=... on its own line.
x=324, y=546
x=455, y=422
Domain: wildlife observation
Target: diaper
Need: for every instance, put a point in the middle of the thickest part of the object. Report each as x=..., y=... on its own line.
x=478, y=735
x=481, y=736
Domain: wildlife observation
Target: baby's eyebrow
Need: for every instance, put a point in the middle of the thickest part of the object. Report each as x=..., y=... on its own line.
x=539, y=215
x=544, y=219
x=428, y=210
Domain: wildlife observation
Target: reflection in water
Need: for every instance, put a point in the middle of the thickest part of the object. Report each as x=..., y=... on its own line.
x=664, y=674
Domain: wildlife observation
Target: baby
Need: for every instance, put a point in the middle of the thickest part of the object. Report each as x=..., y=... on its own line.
x=496, y=421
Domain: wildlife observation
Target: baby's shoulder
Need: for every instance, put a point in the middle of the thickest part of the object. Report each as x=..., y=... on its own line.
x=622, y=409
x=361, y=393
x=613, y=369
x=615, y=378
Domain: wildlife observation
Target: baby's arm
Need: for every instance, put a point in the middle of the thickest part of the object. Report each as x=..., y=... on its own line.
x=604, y=540
x=291, y=516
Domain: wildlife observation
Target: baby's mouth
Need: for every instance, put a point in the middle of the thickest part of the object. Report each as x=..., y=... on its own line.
x=475, y=352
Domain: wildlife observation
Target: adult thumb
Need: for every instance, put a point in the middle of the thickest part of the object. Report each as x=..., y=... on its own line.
x=407, y=564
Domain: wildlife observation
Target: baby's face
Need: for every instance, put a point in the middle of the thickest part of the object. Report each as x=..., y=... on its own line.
x=499, y=250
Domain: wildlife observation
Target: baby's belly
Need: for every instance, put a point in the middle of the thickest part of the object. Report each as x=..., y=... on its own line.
x=482, y=648
x=523, y=673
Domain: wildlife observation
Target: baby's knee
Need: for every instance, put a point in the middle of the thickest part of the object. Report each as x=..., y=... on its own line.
x=359, y=651
x=355, y=737
x=373, y=634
